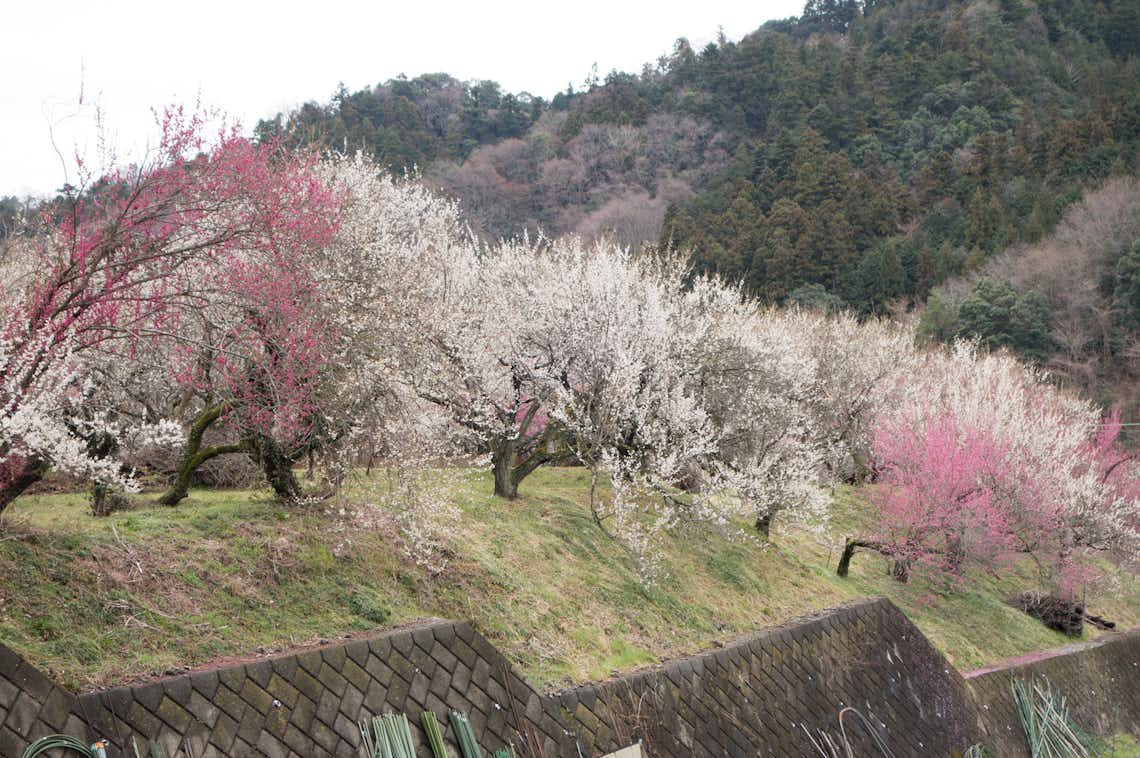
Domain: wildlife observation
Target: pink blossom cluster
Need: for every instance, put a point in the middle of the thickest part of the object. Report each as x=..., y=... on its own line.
x=981, y=459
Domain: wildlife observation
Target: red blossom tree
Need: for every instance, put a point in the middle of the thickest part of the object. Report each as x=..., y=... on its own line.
x=200, y=221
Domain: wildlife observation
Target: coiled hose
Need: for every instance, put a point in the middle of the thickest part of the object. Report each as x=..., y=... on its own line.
x=63, y=742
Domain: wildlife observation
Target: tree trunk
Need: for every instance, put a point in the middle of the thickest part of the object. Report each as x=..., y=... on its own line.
x=194, y=455
x=99, y=505
x=17, y=476
x=181, y=487
x=864, y=472
x=101, y=445
x=849, y=549
x=1064, y=561
x=275, y=463
x=502, y=466
x=764, y=526
x=845, y=559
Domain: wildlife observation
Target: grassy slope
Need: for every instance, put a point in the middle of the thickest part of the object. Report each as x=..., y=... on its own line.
x=231, y=573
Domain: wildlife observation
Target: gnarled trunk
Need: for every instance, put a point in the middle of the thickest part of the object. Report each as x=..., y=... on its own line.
x=900, y=569
x=275, y=463
x=17, y=475
x=849, y=549
x=502, y=465
x=509, y=470
x=195, y=455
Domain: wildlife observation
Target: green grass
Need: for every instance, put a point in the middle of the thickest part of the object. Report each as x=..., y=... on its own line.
x=1118, y=746
x=98, y=601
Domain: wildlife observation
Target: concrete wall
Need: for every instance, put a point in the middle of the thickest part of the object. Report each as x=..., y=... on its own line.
x=31, y=706
x=759, y=695
x=308, y=704
x=764, y=693
x=1100, y=681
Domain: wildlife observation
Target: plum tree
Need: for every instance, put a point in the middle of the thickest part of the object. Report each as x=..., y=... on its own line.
x=126, y=259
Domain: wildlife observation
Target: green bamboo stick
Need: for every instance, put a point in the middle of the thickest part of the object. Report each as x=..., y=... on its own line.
x=465, y=735
x=435, y=737
x=1044, y=716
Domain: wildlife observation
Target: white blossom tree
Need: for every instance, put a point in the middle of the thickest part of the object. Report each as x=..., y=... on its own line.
x=755, y=374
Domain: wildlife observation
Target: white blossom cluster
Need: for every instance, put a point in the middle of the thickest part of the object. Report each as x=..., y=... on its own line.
x=688, y=400
x=684, y=397
x=41, y=400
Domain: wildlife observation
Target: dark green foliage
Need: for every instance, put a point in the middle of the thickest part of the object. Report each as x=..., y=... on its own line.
x=1126, y=289
x=955, y=132
x=815, y=297
x=939, y=323
x=408, y=123
x=831, y=15
x=999, y=316
x=365, y=605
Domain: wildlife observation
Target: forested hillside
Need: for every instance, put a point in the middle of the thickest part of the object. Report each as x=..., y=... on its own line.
x=1070, y=301
x=864, y=152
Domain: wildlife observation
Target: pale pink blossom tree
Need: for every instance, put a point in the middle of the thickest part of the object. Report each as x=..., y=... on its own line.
x=941, y=498
x=980, y=458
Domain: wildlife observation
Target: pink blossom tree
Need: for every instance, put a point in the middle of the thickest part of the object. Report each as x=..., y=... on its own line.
x=942, y=498
x=256, y=366
x=130, y=255
x=980, y=458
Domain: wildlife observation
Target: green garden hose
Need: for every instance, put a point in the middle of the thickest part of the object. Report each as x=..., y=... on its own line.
x=63, y=742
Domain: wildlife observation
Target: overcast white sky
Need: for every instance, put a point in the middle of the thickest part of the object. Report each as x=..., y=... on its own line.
x=254, y=59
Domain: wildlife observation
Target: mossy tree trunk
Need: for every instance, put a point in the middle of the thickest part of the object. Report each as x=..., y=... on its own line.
x=502, y=461
x=509, y=467
x=195, y=454
x=275, y=463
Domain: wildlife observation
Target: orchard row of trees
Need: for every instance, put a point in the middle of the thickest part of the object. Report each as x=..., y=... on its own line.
x=238, y=299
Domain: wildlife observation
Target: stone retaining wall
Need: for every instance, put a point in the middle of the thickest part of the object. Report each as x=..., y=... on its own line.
x=762, y=694
x=765, y=693
x=1100, y=681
